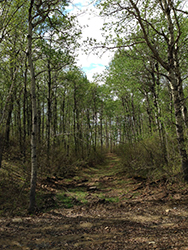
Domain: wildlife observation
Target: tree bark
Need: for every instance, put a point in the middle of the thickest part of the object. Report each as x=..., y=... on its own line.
x=33, y=181
x=173, y=69
x=24, y=111
x=179, y=123
x=101, y=127
x=49, y=113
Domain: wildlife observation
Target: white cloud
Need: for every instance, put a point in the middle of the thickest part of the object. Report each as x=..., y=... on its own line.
x=91, y=63
x=93, y=69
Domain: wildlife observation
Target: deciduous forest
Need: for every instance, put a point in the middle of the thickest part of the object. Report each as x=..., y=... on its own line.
x=107, y=158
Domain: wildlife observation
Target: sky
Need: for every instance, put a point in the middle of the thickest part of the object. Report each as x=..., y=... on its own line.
x=91, y=63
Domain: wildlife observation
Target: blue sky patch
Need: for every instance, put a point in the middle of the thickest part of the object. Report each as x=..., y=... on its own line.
x=92, y=66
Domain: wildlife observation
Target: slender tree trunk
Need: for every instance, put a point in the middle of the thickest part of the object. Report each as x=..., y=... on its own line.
x=88, y=136
x=79, y=135
x=43, y=121
x=175, y=85
x=49, y=113
x=24, y=111
x=55, y=119
x=110, y=131
x=149, y=112
x=101, y=128
x=6, y=116
x=19, y=124
x=107, y=134
x=124, y=120
x=68, y=129
x=8, y=122
x=62, y=121
x=2, y=144
x=140, y=121
x=34, y=116
x=130, y=129
x=29, y=114
x=134, y=122
x=75, y=114
x=95, y=129
x=158, y=116
x=39, y=117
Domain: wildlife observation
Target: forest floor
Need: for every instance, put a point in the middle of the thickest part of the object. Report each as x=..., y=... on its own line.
x=103, y=209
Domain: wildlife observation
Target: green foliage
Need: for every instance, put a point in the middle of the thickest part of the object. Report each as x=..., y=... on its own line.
x=79, y=121
x=146, y=159
x=64, y=201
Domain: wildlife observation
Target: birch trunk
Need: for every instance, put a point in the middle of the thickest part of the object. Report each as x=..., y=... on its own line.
x=49, y=114
x=34, y=116
x=174, y=84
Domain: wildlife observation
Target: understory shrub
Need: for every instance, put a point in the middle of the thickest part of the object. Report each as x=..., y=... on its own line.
x=148, y=159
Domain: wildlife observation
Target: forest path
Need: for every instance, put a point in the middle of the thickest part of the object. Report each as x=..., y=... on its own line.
x=104, y=210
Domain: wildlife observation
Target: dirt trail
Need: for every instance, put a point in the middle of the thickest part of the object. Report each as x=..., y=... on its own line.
x=110, y=211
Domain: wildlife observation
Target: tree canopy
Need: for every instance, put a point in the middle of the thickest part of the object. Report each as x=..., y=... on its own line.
x=57, y=118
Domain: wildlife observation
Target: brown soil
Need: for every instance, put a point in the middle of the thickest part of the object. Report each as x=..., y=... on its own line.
x=120, y=213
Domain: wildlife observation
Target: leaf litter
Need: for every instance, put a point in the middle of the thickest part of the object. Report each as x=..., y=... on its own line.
x=109, y=211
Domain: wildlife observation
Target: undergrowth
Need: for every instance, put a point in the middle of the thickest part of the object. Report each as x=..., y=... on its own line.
x=147, y=158
x=144, y=158
x=15, y=177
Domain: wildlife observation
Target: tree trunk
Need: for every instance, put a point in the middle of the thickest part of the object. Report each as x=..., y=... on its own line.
x=179, y=123
x=34, y=116
x=62, y=125
x=107, y=134
x=49, y=113
x=43, y=121
x=157, y=112
x=8, y=121
x=101, y=127
x=89, y=132
x=6, y=116
x=110, y=131
x=24, y=112
x=2, y=144
x=39, y=118
x=74, y=124
x=19, y=123
x=55, y=119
